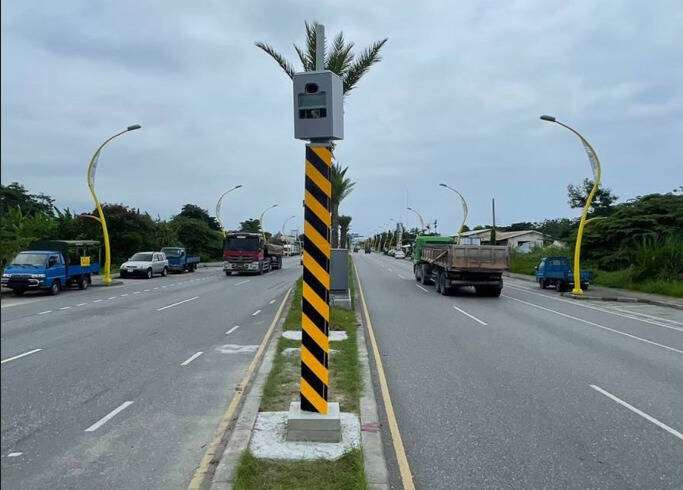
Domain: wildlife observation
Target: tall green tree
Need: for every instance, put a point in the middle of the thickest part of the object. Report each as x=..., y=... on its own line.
x=344, y=223
x=341, y=188
x=15, y=194
x=602, y=201
x=339, y=58
x=195, y=212
x=251, y=225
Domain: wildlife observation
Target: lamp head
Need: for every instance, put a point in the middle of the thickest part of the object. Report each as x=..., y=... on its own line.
x=133, y=127
x=547, y=118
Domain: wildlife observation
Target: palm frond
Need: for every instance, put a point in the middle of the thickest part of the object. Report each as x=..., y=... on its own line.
x=362, y=64
x=279, y=59
x=340, y=57
x=305, y=62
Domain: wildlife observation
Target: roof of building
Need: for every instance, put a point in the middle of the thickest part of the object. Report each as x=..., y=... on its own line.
x=485, y=235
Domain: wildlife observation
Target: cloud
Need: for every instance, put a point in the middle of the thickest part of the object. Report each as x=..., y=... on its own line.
x=456, y=99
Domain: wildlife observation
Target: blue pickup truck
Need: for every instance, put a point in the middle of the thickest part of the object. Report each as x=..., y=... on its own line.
x=179, y=261
x=52, y=265
x=557, y=272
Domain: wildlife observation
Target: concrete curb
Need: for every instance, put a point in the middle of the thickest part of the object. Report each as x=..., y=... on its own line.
x=376, y=473
x=241, y=433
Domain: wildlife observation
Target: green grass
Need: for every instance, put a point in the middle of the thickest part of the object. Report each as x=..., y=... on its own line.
x=266, y=474
x=282, y=387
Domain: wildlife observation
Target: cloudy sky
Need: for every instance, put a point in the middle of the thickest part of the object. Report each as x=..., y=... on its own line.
x=456, y=99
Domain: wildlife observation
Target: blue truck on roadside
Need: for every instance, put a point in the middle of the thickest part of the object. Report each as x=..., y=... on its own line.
x=557, y=272
x=52, y=265
x=179, y=260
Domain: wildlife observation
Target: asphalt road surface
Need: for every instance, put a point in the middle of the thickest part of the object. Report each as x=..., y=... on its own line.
x=529, y=390
x=124, y=386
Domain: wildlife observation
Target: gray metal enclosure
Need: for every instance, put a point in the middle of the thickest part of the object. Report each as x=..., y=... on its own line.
x=339, y=270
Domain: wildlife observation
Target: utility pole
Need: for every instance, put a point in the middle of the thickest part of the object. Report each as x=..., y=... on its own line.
x=493, y=230
x=318, y=118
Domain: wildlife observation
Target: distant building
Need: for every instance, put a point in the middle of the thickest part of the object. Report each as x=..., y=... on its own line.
x=522, y=241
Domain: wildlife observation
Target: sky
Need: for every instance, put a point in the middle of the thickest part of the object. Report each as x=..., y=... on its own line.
x=456, y=99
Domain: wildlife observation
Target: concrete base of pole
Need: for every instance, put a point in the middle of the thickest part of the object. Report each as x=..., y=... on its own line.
x=314, y=427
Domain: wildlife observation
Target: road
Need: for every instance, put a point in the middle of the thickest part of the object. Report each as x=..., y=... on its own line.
x=124, y=386
x=529, y=390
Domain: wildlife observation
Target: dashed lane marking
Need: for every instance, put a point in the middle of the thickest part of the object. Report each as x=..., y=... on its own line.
x=45, y=312
x=471, y=316
x=256, y=313
x=232, y=330
x=20, y=356
x=178, y=303
x=192, y=358
x=108, y=417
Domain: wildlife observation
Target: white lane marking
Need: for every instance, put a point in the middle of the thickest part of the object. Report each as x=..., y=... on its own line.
x=235, y=349
x=124, y=295
x=272, y=301
x=639, y=412
x=232, y=330
x=146, y=290
x=45, y=312
x=136, y=292
x=580, y=304
x=97, y=301
x=112, y=297
x=425, y=290
x=156, y=287
x=65, y=307
x=81, y=304
x=178, y=303
x=162, y=287
x=402, y=276
x=594, y=324
x=658, y=318
x=242, y=282
x=256, y=313
x=20, y=355
x=471, y=316
x=192, y=358
x=172, y=284
x=108, y=417
x=14, y=455
x=390, y=269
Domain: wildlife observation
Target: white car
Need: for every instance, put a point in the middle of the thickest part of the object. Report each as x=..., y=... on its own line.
x=145, y=264
x=400, y=254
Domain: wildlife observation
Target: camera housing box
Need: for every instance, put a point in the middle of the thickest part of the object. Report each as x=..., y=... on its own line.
x=318, y=106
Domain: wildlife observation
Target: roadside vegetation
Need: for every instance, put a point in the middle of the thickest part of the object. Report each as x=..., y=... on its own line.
x=282, y=387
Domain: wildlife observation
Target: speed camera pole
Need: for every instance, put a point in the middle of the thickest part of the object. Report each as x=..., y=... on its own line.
x=318, y=118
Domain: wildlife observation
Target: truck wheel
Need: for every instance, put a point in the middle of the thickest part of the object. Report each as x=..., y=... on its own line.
x=56, y=287
x=416, y=271
x=541, y=283
x=164, y=272
x=442, y=284
x=559, y=286
x=425, y=275
x=228, y=273
x=584, y=287
x=149, y=274
x=18, y=292
x=260, y=268
x=82, y=282
x=493, y=291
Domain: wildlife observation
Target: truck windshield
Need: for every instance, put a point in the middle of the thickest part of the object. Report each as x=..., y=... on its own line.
x=35, y=260
x=171, y=253
x=236, y=243
x=141, y=257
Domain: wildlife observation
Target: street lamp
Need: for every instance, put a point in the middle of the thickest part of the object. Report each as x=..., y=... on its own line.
x=218, y=208
x=597, y=173
x=260, y=220
x=90, y=179
x=422, y=222
x=465, y=210
x=283, y=230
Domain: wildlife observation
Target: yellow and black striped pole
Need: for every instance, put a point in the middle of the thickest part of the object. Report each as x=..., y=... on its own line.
x=316, y=281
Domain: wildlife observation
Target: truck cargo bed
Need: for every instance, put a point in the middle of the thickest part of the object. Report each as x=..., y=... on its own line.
x=452, y=257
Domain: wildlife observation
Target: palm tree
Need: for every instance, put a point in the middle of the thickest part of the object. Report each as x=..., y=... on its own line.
x=340, y=59
x=344, y=222
x=341, y=188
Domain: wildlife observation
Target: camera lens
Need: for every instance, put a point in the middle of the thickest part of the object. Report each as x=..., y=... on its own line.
x=311, y=88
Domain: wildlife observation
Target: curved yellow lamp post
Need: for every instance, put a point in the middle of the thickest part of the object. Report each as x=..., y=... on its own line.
x=597, y=173
x=282, y=232
x=92, y=167
x=465, y=210
x=422, y=222
x=218, y=208
x=260, y=220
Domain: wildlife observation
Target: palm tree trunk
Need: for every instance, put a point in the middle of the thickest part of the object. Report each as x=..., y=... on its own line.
x=335, y=225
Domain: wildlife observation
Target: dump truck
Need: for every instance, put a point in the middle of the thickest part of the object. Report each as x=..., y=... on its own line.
x=438, y=260
x=249, y=252
x=557, y=272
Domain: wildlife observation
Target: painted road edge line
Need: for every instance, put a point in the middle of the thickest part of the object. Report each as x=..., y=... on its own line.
x=471, y=316
x=402, y=459
x=256, y=313
x=20, y=355
x=210, y=455
x=595, y=324
x=639, y=412
x=242, y=282
x=424, y=289
x=192, y=358
x=178, y=303
x=232, y=330
x=108, y=417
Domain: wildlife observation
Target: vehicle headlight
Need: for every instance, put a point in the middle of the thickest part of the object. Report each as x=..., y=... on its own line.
x=6, y=276
x=37, y=276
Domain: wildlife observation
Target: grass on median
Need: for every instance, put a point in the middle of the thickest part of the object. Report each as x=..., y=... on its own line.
x=282, y=387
